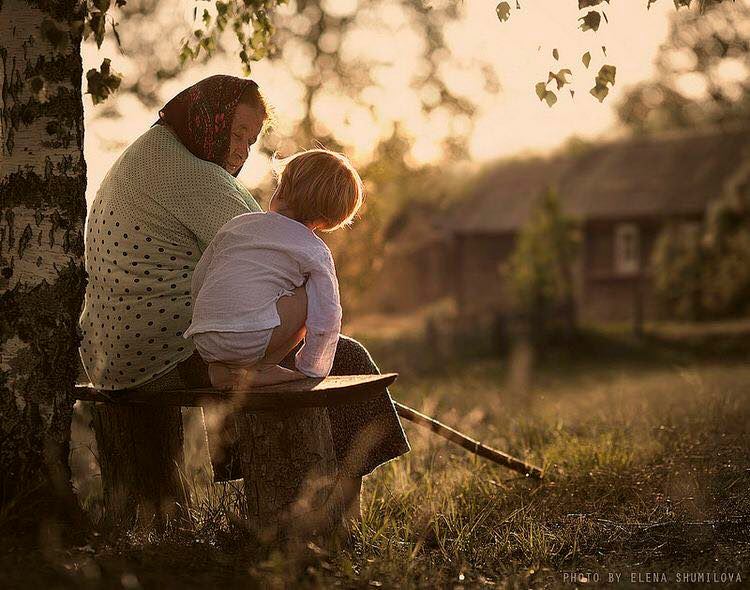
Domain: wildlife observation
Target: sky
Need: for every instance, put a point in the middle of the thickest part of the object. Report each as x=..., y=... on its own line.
x=510, y=122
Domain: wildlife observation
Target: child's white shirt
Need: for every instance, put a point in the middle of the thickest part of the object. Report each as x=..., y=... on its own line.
x=255, y=259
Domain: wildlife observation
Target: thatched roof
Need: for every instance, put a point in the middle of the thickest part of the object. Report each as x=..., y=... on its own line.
x=657, y=176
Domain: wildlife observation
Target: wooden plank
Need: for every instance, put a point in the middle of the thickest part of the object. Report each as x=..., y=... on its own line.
x=305, y=393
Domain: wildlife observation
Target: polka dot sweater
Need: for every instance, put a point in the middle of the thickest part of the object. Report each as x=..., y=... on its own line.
x=155, y=213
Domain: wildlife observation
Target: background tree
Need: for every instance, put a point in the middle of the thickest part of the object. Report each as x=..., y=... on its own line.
x=540, y=269
x=702, y=78
x=706, y=273
x=702, y=73
x=678, y=263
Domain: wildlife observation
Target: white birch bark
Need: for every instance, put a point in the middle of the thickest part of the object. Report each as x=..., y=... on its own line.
x=42, y=215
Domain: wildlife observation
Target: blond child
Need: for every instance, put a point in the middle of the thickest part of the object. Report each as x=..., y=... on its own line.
x=249, y=286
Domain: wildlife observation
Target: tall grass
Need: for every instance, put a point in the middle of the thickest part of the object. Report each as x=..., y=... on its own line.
x=647, y=465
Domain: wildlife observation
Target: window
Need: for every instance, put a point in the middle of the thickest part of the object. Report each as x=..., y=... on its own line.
x=627, y=249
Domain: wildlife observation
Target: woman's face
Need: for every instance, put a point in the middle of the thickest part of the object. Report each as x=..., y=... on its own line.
x=246, y=126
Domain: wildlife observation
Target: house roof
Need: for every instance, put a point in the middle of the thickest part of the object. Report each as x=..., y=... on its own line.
x=656, y=176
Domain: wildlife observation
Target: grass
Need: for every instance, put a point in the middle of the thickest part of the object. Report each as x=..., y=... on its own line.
x=646, y=448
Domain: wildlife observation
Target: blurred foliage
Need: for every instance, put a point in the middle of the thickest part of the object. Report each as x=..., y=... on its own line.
x=678, y=263
x=103, y=82
x=149, y=47
x=320, y=31
x=540, y=269
x=702, y=78
x=706, y=274
x=702, y=73
x=311, y=41
x=249, y=20
x=403, y=202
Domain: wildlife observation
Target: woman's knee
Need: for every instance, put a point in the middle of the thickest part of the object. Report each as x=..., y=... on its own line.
x=352, y=358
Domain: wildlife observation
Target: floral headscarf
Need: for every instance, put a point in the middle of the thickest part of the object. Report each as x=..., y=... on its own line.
x=202, y=114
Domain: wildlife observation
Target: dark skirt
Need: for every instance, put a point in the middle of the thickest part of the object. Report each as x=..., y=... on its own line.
x=365, y=434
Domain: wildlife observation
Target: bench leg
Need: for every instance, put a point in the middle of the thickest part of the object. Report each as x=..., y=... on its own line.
x=140, y=455
x=290, y=472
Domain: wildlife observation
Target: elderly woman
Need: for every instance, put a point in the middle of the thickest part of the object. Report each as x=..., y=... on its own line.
x=156, y=211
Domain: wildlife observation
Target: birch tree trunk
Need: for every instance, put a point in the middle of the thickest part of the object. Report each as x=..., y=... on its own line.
x=42, y=275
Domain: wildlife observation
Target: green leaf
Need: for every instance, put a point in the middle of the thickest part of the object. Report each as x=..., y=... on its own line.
x=258, y=39
x=586, y=59
x=185, y=53
x=96, y=23
x=551, y=98
x=555, y=53
x=503, y=11
x=541, y=90
x=560, y=77
x=607, y=74
x=599, y=92
x=102, y=82
x=591, y=21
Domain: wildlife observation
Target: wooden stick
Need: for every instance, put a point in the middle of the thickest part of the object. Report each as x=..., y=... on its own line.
x=467, y=443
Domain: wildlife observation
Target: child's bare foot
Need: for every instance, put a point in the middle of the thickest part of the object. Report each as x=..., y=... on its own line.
x=238, y=378
x=272, y=374
x=225, y=377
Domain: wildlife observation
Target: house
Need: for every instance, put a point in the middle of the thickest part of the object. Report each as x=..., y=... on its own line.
x=622, y=193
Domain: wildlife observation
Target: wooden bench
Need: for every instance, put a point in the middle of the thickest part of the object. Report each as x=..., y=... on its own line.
x=287, y=456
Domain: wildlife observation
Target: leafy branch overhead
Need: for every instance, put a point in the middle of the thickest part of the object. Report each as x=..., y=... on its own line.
x=249, y=20
x=104, y=81
x=591, y=20
x=251, y=23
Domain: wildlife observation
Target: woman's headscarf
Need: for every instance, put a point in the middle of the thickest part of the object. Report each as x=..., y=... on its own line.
x=202, y=114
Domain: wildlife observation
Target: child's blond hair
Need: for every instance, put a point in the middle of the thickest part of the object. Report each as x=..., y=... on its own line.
x=320, y=185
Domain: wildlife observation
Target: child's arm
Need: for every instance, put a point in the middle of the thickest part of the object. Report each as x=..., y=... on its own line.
x=323, y=323
x=199, y=273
